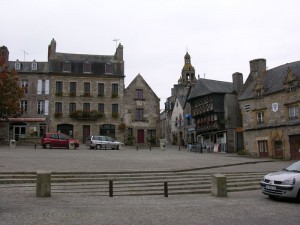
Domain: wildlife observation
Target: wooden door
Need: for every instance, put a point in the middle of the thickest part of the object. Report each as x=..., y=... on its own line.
x=295, y=146
x=86, y=132
x=140, y=136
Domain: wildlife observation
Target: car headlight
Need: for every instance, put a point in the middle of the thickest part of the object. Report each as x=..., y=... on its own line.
x=289, y=181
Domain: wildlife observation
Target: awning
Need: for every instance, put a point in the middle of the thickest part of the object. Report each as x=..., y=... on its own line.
x=26, y=119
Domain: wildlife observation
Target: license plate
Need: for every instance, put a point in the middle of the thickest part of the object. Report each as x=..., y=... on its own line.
x=270, y=187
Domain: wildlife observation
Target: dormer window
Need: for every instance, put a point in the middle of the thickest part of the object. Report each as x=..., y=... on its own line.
x=87, y=68
x=17, y=65
x=34, y=65
x=290, y=82
x=66, y=67
x=108, y=68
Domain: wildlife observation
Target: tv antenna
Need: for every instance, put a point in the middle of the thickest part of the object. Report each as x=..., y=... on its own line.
x=116, y=40
x=25, y=53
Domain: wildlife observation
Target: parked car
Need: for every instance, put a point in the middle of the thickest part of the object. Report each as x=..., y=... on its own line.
x=102, y=142
x=283, y=184
x=57, y=140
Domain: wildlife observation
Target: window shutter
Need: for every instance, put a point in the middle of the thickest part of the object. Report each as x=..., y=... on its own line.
x=47, y=87
x=46, y=107
x=39, y=87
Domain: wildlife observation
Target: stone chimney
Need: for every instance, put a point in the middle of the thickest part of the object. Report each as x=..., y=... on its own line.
x=119, y=52
x=237, y=80
x=51, y=49
x=4, y=55
x=258, y=65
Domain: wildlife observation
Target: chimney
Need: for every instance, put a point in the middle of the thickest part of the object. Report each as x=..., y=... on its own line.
x=4, y=55
x=51, y=49
x=237, y=80
x=119, y=52
x=258, y=65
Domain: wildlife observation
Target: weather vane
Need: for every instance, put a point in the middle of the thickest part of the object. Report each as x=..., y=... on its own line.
x=25, y=53
x=116, y=40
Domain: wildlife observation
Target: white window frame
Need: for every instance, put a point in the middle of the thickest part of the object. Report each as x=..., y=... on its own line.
x=260, y=117
x=293, y=112
x=34, y=65
x=17, y=65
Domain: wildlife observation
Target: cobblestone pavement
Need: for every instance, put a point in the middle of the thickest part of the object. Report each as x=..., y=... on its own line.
x=250, y=207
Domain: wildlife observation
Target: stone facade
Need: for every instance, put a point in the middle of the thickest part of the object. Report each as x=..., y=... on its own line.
x=141, y=114
x=269, y=103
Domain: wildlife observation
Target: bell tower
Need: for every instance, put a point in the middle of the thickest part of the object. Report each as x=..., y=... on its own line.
x=188, y=72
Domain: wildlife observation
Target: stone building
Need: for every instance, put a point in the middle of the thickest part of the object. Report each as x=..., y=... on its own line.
x=34, y=79
x=214, y=107
x=269, y=102
x=182, y=89
x=141, y=113
x=87, y=93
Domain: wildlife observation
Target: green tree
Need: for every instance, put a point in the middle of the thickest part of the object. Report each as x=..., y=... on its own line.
x=10, y=92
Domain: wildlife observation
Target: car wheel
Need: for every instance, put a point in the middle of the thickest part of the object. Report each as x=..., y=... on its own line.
x=48, y=146
x=98, y=147
x=298, y=196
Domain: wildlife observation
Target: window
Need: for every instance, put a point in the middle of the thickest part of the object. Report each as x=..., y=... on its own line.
x=108, y=69
x=17, y=65
x=87, y=68
x=293, y=112
x=73, y=88
x=139, y=114
x=151, y=134
x=72, y=107
x=86, y=106
x=86, y=88
x=101, y=108
x=114, y=90
x=41, y=107
x=100, y=89
x=23, y=106
x=139, y=94
x=43, y=87
x=58, y=107
x=34, y=65
x=263, y=146
x=130, y=131
x=114, y=108
x=66, y=67
x=260, y=118
x=59, y=88
x=24, y=85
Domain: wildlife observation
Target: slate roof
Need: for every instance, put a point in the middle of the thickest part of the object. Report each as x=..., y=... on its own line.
x=206, y=87
x=81, y=57
x=42, y=67
x=272, y=80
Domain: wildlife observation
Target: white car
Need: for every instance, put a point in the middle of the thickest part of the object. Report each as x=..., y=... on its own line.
x=283, y=184
x=102, y=142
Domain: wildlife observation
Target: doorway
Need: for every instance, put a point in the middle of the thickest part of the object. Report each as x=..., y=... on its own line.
x=140, y=136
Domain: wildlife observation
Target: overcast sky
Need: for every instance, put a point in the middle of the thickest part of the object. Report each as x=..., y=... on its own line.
x=221, y=36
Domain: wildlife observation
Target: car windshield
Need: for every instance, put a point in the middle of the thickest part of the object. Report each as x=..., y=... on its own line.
x=295, y=167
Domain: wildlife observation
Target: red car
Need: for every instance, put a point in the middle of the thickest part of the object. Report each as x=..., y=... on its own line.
x=57, y=140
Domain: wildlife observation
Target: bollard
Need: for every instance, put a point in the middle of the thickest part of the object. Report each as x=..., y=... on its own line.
x=150, y=147
x=34, y=146
x=137, y=148
x=179, y=147
x=166, y=189
x=43, y=183
x=111, y=187
x=219, y=185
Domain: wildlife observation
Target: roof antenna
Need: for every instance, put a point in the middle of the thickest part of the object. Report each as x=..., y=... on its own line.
x=25, y=53
x=116, y=40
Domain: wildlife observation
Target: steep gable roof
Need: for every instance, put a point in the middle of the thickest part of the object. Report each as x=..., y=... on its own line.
x=139, y=77
x=272, y=80
x=206, y=86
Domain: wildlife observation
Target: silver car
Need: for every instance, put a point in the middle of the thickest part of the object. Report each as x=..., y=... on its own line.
x=283, y=184
x=102, y=142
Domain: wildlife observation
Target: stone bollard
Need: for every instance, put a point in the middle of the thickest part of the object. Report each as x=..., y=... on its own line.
x=219, y=185
x=43, y=183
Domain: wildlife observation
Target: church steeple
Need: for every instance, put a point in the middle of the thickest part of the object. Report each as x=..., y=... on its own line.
x=188, y=72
